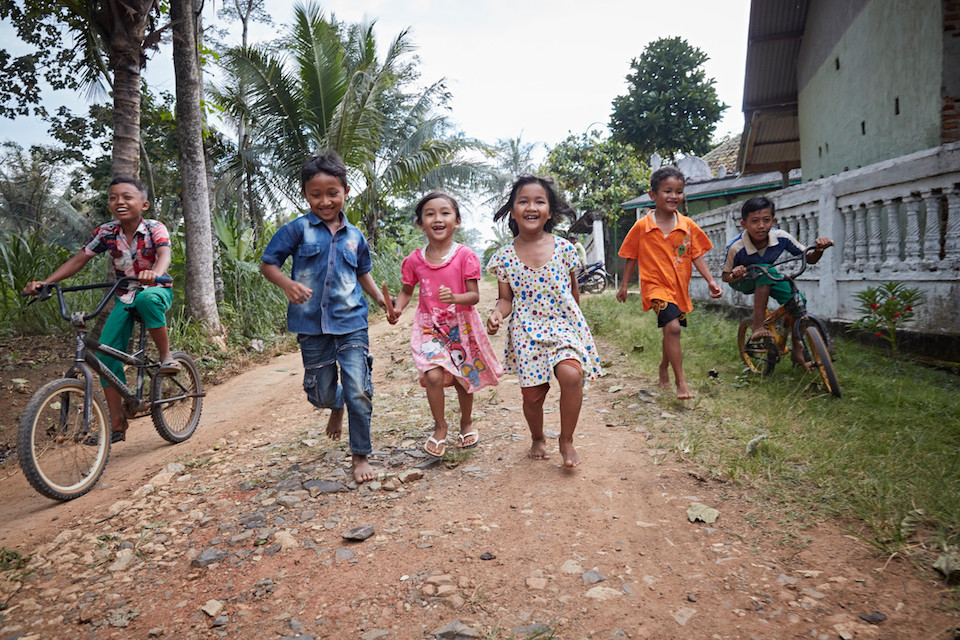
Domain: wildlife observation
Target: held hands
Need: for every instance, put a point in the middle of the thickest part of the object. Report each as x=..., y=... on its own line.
x=392, y=314
x=494, y=321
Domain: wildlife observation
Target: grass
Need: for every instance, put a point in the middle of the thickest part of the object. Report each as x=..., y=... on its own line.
x=885, y=452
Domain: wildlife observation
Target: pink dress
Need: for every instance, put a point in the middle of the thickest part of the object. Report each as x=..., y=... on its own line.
x=449, y=336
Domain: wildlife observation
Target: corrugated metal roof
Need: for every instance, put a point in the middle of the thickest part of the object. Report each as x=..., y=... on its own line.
x=771, y=135
x=722, y=186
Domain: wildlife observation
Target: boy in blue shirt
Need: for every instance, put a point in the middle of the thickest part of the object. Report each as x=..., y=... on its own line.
x=327, y=311
x=762, y=243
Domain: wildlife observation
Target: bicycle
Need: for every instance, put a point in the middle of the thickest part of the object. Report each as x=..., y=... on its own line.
x=593, y=278
x=762, y=354
x=63, y=442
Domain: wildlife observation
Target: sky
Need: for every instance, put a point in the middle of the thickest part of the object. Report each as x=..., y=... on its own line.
x=539, y=69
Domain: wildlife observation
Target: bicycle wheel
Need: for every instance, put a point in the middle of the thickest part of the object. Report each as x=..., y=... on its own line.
x=50, y=444
x=760, y=355
x=595, y=283
x=816, y=347
x=176, y=400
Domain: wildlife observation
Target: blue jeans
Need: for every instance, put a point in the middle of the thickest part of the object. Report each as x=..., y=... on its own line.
x=321, y=355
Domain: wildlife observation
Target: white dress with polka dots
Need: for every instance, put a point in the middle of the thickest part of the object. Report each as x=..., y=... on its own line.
x=546, y=325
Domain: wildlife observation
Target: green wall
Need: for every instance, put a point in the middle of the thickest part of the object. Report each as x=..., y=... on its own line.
x=890, y=51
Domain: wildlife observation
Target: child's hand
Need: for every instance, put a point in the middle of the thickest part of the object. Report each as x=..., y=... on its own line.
x=297, y=293
x=715, y=290
x=445, y=295
x=622, y=293
x=823, y=244
x=147, y=276
x=494, y=321
x=392, y=314
x=33, y=288
x=738, y=272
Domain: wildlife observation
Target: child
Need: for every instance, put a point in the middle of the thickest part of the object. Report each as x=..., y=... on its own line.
x=547, y=334
x=327, y=311
x=668, y=243
x=761, y=243
x=139, y=248
x=447, y=347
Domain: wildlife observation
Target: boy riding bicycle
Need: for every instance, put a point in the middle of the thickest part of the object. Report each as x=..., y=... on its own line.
x=139, y=247
x=761, y=243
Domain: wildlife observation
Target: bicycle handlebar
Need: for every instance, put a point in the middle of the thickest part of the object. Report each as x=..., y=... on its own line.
x=754, y=270
x=47, y=291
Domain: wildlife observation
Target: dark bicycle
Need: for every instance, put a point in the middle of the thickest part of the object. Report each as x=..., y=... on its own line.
x=762, y=354
x=64, y=439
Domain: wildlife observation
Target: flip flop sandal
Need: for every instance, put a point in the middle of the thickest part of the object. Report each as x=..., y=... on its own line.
x=439, y=445
x=463, y=438
x=169, y=367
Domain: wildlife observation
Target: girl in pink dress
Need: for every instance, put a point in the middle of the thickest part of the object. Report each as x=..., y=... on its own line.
x=448, y=341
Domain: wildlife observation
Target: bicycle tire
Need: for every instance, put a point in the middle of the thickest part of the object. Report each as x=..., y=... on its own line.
x=761, y=355
x=177, y=400
x=595, y=283
x=820, y=356
x=50, y=445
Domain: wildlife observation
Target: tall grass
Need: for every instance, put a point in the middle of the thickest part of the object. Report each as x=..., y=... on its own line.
x=886, y=453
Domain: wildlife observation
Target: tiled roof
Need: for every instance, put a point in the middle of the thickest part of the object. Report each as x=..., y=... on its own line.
x=725, y=154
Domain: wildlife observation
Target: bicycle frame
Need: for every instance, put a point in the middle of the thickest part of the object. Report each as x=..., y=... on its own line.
x=85, y=360
x=796, y=307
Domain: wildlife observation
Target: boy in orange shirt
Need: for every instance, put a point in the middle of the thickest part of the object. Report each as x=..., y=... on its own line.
x=667, y=244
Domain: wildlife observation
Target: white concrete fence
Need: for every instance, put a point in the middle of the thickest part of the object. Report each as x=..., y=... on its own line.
x=897, y=220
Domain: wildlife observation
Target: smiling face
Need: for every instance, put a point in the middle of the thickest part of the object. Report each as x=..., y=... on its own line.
x=325, y=195
x=126, y=203
x=757, y=225
x=531, y=208
x=669, y=195
x=438, y=219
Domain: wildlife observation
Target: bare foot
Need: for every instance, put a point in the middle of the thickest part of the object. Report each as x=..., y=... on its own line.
x=538, y=450
x=664, y=374
x=761, y=332
x=683, y=391
x=335, y=424
x=570, y=456
x=362, y=471
x=797, y=359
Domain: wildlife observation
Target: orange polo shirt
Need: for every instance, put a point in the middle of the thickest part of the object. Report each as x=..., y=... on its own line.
x=665, y=263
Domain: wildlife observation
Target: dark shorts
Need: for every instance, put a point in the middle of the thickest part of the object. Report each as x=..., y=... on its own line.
x=667, y=312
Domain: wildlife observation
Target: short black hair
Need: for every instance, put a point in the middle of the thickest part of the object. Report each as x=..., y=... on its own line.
x=433, y=195
x=662, y=174
x=757, y=203
x=139, y=186
x=328, y=163
x=556, y=204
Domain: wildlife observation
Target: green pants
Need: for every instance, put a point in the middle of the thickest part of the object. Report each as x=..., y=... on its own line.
x=152, y=304
x=779, y=289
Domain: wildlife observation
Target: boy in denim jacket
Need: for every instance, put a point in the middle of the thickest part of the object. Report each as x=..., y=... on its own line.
x=327, y=311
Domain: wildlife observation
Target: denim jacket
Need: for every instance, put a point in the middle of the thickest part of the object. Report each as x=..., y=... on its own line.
x=331, y=265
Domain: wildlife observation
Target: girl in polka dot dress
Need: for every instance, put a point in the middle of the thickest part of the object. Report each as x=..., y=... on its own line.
x=547, y=333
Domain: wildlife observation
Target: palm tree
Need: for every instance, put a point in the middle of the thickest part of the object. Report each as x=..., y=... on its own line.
x=332, y=93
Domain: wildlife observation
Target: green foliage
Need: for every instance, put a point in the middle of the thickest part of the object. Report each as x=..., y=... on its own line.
x=596, y=174
x=670, y=107
x=889, y=448
x=885, y=308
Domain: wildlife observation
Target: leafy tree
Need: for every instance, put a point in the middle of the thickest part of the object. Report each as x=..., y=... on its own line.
x=332, y=92
x=596, y=173
x=511, y=157
x=671, y=107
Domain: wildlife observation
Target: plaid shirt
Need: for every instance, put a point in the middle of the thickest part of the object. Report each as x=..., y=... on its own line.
x=129, y=260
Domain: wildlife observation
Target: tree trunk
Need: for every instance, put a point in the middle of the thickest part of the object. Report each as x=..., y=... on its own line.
x=199, y=293
x=126, y=121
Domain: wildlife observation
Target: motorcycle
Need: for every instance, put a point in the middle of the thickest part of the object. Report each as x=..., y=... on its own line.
x=593, y=278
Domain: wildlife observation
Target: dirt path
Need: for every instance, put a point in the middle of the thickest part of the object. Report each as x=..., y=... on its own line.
x=250, y=515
